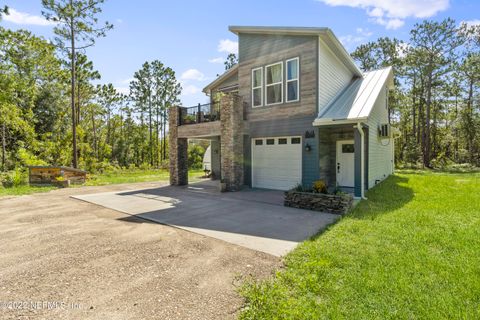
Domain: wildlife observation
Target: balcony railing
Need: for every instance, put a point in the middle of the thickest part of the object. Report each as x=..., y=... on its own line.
x=199, y=114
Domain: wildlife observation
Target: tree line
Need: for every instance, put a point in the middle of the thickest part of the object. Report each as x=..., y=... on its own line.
x=436, y=101
x=52, y=112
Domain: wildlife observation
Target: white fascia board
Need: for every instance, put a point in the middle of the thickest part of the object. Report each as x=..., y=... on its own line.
x=333, y=122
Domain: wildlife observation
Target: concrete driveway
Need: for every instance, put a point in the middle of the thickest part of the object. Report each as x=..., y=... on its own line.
x=252, y=218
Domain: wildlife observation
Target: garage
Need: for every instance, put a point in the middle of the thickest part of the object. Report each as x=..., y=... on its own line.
x=276, y=162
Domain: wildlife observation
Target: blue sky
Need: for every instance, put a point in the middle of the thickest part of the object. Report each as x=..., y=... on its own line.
x=192, y=37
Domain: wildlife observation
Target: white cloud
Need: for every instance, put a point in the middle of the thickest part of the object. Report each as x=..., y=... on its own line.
x=193, y=74
x=361, y=35
x=364, y=32
x=392, y=13
x=23, y=18
x=216, y=60
x=375, y=12
x=402, y=49
x=389, y=23
x=190, y=89
x=471, y=23
x=124, y=90
x=350, y=39
x=228, y=46
x=126, y=81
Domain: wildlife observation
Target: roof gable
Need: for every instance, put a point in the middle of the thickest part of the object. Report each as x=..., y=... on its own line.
x=227, y=74
x=325, y=34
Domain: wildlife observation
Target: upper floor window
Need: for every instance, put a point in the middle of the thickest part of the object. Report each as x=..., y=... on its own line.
x=257, y=87
x=292, y=80
x=274, y=83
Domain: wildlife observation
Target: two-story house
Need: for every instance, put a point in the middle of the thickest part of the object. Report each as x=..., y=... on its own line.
x=295, y=109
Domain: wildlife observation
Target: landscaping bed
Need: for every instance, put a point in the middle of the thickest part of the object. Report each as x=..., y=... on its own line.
x=318, y=198
x=332, y=203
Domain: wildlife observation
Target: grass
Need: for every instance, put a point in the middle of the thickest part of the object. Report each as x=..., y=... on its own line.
x=411, y=251
x=132, y=176
x=114, y=177
x=22, y=190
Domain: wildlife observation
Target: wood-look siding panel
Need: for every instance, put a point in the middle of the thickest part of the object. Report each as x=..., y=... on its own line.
x=261, y=50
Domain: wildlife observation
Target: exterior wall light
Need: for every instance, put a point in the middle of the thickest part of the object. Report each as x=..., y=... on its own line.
x=308, y=147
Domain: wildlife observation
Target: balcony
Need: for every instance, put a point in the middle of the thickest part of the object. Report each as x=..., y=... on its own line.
x=200, y=114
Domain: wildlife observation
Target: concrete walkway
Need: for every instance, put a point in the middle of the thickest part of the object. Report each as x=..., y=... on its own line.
x=255, y=219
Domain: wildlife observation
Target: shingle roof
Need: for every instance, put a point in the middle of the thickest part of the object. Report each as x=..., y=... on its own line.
x=356, y=101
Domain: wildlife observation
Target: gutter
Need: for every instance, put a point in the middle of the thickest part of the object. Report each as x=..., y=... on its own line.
x=362, y=160
x=331, y=122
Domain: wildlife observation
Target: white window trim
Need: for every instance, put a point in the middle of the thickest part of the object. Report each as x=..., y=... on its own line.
x=258, y=87
x=295, y=79
x=275, y=83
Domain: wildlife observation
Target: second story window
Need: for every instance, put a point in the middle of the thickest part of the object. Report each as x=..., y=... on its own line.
x=274, y=83
x=257, y=87
x=292, y=80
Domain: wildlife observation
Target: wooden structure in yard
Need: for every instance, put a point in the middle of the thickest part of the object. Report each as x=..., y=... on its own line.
x=57, y=175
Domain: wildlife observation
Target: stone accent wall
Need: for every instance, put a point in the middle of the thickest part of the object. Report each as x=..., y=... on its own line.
x=338, y=204
x=231, y=141
x=178, y=150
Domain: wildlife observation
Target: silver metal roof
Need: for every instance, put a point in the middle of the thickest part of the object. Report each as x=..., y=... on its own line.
x=356, y=101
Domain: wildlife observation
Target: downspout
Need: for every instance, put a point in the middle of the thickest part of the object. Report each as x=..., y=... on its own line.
x=392, y=139
x=362, y=160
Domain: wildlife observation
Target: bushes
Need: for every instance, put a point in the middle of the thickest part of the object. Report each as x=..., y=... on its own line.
x=14, y=178
x=195, y=156
x=319, y=186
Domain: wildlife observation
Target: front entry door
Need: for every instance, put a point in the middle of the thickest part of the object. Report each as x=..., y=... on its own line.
x=345, y=163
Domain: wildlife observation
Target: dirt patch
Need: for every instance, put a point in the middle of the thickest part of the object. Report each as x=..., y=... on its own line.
x=67, y=259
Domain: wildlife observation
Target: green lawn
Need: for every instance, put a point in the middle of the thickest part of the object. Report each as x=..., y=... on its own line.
x=131, y=176
x=22, y=190
x=412, y=251
x=116, y=177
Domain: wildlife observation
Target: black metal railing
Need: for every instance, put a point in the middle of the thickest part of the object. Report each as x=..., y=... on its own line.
x=199, y=114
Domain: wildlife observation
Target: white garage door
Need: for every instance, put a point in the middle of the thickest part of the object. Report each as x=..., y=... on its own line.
x=276, y=162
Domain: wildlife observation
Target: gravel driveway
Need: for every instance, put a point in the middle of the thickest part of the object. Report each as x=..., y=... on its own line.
x=66, y=259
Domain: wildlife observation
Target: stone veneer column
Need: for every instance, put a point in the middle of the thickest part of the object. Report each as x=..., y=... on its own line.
x=231, y=141
x=178, y=150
